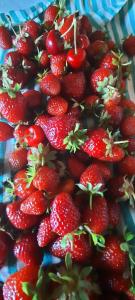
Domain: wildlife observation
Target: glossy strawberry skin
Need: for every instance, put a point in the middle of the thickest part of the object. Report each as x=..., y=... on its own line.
x=81, y=251
x=34, y=135
x=12, y=288
x=44, y=59
x=57, y=106
x=97, y=76
x=35, y=204
x=77, y=85
x=65, y=216
x=32, y=28
x=5, y=38
x=50, y=85
x=45, y=234
x=50, y=15
x=64, y=28
x=18, y=159
x=21, y=186
x=19, y=133
x=25, y=46
x=6, y=132
x=46, y=179
x=92, y=175
x=54, y=42
x=98, y=223
x=109, y=61
x=26, y=249
x=58, y=64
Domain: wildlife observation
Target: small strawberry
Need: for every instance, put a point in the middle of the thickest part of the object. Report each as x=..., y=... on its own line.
x=5, y=243
x=64, y=216
x=58, y=64
x=114, y=212
x=43, y=59
x=21, y=188
x=26, y=249
x=111, y=61
x=18, y=159
x=13, y=287
x=50, y=85
x=13, y=59
x=33, y=98
x=97, y=223
x=5, y=38
x=100, y=76
x=57, y=106
x=32, y=28
x=45, y=234
x=111, y=258
x=50, y=15
x=25, y=45
x=77, y=246
x=34, y=135
x=129, y=45
x=46, y=179
x=73, y=85
x=127, y=166
x=75, y=166
x=127, y=126
x=35, y=204
x=54, y=42
x=6, y=132
x=17, y=218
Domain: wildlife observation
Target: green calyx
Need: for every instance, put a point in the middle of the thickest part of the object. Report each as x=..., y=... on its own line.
x=128, y=190
x=91, y=190
x=38, y=56
x=101, y=85
x=7, y=82
x=34, y=291
x=97, y=239
x=68, y=239
x=75, y=138
x=9, y=188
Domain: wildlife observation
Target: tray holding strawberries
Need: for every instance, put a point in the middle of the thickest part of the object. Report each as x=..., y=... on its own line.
x=69, y=130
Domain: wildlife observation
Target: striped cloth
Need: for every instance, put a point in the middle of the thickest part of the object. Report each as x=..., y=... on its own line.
x=118, y=18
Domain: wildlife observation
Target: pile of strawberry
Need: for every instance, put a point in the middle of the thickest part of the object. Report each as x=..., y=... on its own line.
x=73, y=161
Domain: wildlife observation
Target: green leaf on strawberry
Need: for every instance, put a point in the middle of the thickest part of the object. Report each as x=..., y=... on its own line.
x=75, y=138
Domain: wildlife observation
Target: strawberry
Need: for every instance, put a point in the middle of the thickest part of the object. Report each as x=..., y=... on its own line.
x=101, y=145
x=128, y=106
x=13, y=59
x=35, y=204
x=64, y=216
x=43, y=59
x=26, y=249
x=115, y=113
x=111, y=258
x=25, y=45
x=104, y=169
x=57, y=128
x=97, y=35
x=19, y=133
x=21, y=188
x=110, y=61
x=45, y=234
x=58, y=64
x=17, y=218
x=17, y=76
x=18, y=159
x=131, y=145
x=33, y=98
x=54, y=42
x=12, y=108
x=91, y=100
x=30, y=67
x=115, y=282
x=6, y=132
x=46, y=179
x=127, y=126
x=76, y=88
x=5, y=38
x=98, y=77
x=67, y=35
x=50, y=85
x=75, y=167
x=77, y=246
x=5, y=243
x=114, y=212
x=83, y=41
x=85, y=25
x=129, y=45
x=33, y=135
x=57, y=106
x=127, y=166
x=97, y=50
x=32, y=28
x=13, y=287
x=50, y=15
x=98, y=223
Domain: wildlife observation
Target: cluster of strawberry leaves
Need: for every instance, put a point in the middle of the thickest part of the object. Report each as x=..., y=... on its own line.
x=73, y=163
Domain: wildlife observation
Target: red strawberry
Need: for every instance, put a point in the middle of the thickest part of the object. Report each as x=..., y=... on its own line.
x=98, y=76
x=50, y=15
x=92, y=176
x=18, y=159
x=74, y=85
x=97, y=222
x=35, y=204
x=127, y=166
x=26, y=249
x=21, y=188
x=104, y=169
x=111, y=258
x=92, y=100
x=13, y=59
x=110, y=61
x=30, y=67
x=19, y=133
x=5, y=242
x=57, y=106
x=128, y=105
x=46, y=179
x=127, y=127
x=17, y=75
x=129, y=45
x=32, y=28
x=83, y=41
x=17, y=218
x=25, y=45
x=75, y=166
x=54, y=42
x=64, y=216
x=115, y=113
x=50, y=85
x=5, y=38
x=97, y=35
x=67, y=35
x=114, y=212
x=78, y=247
x=85, y=25
x=101, y=146
x=33, y=98
x=131, y=145
x=58, y=64
x=13, y=108
x=45, y=234
x=6, y=132
x=12, y=288
x=115, y=282
x=34, y=135
x=97, y=50
x=57, y=128
x=43, y=59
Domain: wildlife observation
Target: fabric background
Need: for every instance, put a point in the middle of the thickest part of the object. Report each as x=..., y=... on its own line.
x=118, y=18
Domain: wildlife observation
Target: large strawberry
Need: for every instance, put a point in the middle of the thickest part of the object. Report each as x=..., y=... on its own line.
x=50, y=85
x=64, y=217
x=35, y=204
